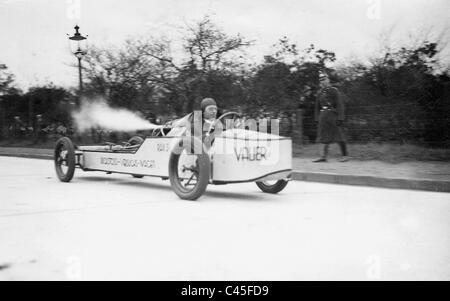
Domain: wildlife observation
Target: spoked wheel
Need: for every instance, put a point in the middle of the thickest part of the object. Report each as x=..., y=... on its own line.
x=64, y=159
x=188, y=171
x=272, y=186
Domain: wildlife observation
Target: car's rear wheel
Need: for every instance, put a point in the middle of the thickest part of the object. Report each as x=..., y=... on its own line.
x=64, y=158
x=189, y=171
x=272, y=186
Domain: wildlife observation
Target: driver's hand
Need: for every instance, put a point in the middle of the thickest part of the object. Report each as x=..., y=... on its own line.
x=238, y=123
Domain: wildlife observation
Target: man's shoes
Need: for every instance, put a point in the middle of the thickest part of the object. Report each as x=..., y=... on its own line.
x=344, y=159
x=320, y=160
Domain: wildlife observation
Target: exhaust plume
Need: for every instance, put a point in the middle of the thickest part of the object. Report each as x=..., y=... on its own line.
x=98, y=114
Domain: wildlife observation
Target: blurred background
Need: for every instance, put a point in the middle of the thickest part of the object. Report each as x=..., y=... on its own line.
x=396, y=91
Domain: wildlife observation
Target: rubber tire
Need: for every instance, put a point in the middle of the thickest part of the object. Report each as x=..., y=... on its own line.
x=203, y=164
x=67, y=177
x=275, y=188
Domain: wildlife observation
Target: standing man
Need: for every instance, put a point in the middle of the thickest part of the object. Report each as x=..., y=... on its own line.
x=329, y=113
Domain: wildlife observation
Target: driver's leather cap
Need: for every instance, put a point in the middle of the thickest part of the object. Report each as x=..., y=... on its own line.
x=207, y=102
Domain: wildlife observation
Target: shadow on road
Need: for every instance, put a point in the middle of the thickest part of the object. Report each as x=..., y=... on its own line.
x=98, y=179
x=237, y=196
x=165, y=185
x=141, y=183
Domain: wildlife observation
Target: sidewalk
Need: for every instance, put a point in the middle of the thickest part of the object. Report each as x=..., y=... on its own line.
x=27, y=152
x=430, y=176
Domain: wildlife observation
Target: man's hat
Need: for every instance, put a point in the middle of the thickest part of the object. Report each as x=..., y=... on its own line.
x=207, y=102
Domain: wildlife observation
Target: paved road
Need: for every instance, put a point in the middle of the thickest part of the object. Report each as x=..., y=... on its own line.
x=115, y=227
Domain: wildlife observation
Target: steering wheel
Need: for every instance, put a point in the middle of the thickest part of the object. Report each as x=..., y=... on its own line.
x=159, y=131
x=235, y=115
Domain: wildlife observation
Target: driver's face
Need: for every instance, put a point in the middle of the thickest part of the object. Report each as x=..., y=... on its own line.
x=210, y=112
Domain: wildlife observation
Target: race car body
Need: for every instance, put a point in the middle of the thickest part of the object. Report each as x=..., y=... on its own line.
x=235, y=155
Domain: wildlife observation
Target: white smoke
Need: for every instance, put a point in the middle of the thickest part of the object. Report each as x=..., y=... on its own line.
x=98, y=114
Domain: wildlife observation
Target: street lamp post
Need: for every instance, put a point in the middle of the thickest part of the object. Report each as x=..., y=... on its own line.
x=2, y=111
x=79, y=54
x=2, y=116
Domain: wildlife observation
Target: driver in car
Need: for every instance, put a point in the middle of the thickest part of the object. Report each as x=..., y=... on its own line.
x=205, y=123
x=209, y=114
x=201, y=122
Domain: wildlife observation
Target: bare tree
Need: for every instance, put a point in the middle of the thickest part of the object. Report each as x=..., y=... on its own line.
x=208, y=46
x=147, y=64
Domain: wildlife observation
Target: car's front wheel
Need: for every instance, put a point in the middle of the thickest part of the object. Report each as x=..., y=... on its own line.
x=189, y=168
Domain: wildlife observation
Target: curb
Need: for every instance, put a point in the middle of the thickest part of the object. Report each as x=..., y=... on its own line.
x=396, y=183
x=371, y=181
x=30, y=156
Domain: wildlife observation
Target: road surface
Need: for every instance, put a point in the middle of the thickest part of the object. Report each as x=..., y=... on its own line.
x=115, y=227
